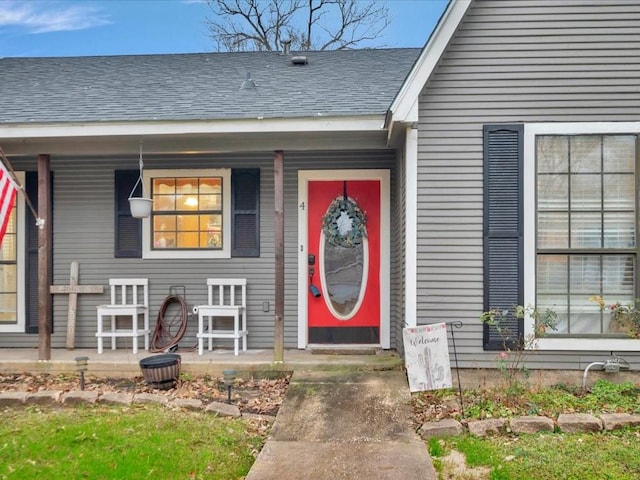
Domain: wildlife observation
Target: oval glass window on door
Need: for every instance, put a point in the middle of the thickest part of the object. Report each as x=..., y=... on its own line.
x=344, y=259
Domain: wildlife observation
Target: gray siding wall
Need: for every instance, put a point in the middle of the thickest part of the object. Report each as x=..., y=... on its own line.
x=510, y=61
x=83, y=230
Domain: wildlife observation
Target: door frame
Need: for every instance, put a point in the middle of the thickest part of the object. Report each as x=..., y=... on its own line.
x=384, y=176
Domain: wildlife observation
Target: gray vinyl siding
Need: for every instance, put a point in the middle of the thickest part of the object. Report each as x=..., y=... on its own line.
x=83, y=230
x=509, y=62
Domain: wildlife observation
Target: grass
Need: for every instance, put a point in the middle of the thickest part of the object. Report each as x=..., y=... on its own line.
x=597, y=456
x=145, y=442
x=547, y=457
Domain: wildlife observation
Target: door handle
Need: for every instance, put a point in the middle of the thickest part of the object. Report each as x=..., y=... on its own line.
x=315, y=291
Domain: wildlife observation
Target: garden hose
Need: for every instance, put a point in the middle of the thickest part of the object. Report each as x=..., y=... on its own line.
x=169, y=332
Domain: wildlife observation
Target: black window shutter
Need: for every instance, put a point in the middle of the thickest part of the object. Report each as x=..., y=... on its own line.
x=245, y=212
x=503, y=230
x=128, y=230
x=31, y=257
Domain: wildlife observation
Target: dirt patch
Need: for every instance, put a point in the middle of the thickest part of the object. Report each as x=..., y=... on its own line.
x=454, y=466
x=261, y=396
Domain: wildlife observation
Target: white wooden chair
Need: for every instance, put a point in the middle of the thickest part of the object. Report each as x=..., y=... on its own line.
x=129, y=298
x=227, y=298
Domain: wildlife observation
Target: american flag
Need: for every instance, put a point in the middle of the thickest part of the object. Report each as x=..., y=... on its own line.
x=8, y=189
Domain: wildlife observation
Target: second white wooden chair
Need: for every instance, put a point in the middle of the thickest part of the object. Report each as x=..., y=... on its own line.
x=129, y=298
x=226, y=297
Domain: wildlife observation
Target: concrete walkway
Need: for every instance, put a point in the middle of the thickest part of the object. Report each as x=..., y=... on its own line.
x=345, y=425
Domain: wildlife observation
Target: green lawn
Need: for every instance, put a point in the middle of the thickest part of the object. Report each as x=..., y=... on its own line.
x=601, y=456
x=140, y=442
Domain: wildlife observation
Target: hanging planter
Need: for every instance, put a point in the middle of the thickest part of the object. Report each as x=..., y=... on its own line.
x=140, y=206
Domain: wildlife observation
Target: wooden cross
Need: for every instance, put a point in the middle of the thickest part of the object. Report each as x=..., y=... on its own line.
x=73, y=289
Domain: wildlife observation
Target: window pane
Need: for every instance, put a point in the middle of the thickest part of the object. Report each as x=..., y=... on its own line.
x=585, y=153
x=619, y=192
x=185, y=186
x=8, y=310
x=552, y=288
x=586, y=192
x=619, y=230
x=617, y=279
x=585, y=274
x=553, y=230
x=8, y=251
x=586, y=230
x=586, y=316
x=8, y=286
x=619, y=153
x=553, y=192
x=210, y=185
x=211, y=202
x=552, y=277
x=552, y=154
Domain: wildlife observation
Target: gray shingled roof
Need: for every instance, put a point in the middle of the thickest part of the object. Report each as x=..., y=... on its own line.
x=200, y=86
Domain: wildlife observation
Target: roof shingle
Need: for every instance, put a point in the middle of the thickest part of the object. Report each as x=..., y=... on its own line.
x=203, y=86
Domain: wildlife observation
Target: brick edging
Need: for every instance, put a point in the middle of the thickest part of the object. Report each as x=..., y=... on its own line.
x=77, y=397
x=566, y=422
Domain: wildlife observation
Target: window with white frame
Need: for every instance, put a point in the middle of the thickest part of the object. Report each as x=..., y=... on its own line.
x=12, y=269
x=580, y=230
x=190, y=216
x=8, y=273
x=586, y=248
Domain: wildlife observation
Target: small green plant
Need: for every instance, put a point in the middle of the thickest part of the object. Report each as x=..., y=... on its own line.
x=436, y=447
x=626, y=318
x=515, y=347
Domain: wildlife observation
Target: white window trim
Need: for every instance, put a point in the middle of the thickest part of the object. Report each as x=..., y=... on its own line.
x=530, y=132
x=225, y=252
x=19, y=326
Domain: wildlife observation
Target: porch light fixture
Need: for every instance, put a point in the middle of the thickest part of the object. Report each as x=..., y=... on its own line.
x=229, y=377
x=140, y=206
x=82, y=365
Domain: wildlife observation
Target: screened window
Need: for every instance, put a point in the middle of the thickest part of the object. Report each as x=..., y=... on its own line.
x=586, y=245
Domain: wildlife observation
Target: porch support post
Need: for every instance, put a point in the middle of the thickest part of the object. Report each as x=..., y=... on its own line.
x=44, y=258
x=411, y=227
x=278, y=330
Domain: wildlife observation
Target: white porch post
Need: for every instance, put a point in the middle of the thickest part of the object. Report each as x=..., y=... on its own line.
x=411, y=226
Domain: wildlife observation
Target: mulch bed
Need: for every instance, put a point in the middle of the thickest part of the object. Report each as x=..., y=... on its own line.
x=260, y=396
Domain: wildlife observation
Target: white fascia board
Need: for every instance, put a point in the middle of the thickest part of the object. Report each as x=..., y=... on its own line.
x=366, y=123
x=404, y=106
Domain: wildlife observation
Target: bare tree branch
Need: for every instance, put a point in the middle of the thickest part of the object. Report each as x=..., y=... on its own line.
x=238, y=25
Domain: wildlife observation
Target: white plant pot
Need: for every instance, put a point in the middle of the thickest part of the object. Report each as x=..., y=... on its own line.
x=140, y=207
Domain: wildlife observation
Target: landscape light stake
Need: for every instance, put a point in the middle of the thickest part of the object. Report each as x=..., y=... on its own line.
x=229, y=377
x=82, y=364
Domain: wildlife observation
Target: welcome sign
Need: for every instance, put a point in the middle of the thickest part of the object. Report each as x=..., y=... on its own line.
x=426, y=353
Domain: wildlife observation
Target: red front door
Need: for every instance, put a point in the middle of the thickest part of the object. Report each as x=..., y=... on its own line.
x=343, y=265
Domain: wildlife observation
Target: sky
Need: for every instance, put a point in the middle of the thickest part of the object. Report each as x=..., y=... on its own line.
x=48, y=28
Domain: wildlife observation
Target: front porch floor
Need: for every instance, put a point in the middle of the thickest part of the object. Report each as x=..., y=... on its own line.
x=123, y=363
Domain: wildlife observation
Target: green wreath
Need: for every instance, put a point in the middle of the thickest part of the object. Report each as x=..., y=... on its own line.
x=344, y=223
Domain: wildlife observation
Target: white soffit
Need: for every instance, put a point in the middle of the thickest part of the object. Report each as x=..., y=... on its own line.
x=403, y=108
